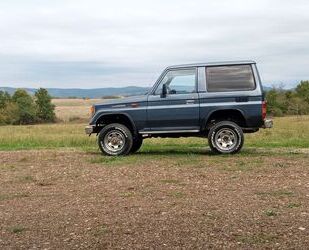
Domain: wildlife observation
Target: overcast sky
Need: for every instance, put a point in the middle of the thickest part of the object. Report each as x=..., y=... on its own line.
x=98, y=43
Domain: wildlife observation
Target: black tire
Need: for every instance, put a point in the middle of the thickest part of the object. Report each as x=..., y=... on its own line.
x=115, y=139
x=137, y=143
x=225, y=137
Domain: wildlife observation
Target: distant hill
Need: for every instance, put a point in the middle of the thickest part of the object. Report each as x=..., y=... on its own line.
x=86, y=93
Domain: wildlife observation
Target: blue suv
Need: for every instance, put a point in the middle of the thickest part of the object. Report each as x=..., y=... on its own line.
x=218, y=101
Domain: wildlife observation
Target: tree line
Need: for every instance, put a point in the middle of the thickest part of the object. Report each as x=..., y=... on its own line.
x=282, y=102
x=22, y=108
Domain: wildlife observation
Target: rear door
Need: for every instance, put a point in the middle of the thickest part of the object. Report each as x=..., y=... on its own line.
x=179, y=110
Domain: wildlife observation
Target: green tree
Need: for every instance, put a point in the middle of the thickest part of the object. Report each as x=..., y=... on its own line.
x=4, y=98
x=45, y=110
x=26, y=108
x=302, y=90
x=9, y=114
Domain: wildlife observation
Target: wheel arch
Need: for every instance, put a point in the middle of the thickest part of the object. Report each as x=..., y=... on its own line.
x=230, y=114
x=119, y=117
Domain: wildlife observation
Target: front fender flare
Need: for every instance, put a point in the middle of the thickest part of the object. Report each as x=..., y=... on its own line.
x=99, y=115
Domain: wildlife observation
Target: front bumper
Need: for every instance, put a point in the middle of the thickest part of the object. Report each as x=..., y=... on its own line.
x=268, y=123
x=89, y=129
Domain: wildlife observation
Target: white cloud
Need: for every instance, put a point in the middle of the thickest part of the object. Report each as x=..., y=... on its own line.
x=93, y=43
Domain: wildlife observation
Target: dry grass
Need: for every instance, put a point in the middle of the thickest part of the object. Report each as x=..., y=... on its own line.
x=76, y=102
x=68, y=110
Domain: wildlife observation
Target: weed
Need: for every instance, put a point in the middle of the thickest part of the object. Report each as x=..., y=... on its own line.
x=7, y=167
x=293, y=205
x=12, y=196
x=170, y=181
x=101, y=230
x=270, y=213
x=126, y=194
x=26, y=178
x=23, y=159
x=17, y=229
x=276, y=193
x=177, y=194
x=257, y=238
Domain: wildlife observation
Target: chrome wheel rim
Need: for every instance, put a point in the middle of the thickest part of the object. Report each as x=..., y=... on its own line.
x=226, y=139
x=114, y=141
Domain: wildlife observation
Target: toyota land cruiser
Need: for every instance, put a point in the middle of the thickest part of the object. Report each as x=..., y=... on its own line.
x=218, y=101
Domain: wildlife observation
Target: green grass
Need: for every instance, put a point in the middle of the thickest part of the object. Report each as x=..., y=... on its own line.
x=276, y=193
x=257, y=238
x=170, y=181
x=288, y=132
x=270, y=213
x=4, y=197
x=294, y=205
x=45, y=136
x=101, y=230
x=17, y=229
x=177, y=194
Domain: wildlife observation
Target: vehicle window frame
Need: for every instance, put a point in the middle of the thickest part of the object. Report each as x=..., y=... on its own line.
x=176, y=69
x=230, y=90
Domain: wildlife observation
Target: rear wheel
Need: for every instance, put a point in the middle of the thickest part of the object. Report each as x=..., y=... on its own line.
x=115, y=139
x=225, y=138
x=137, y=143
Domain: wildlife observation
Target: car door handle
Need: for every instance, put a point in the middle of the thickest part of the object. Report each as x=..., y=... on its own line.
x=190, y=101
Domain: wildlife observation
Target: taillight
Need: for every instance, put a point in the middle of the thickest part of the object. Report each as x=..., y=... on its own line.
x=264, y=109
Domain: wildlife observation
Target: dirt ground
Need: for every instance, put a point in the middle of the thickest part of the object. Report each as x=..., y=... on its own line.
x=52, y=199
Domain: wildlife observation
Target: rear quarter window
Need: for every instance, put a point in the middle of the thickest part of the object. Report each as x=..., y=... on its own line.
x=229, y=78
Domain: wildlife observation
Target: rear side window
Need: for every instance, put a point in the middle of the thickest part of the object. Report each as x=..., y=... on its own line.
x=229, y=78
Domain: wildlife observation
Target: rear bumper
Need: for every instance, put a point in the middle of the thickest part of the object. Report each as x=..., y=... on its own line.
x=89, y=129
x=268, y=123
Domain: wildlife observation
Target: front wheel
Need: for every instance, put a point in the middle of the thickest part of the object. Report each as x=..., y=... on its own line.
x=225, y=138
x=137, y=143
x=115, y=139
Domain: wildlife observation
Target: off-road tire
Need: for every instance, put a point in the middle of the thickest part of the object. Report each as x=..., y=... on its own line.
x=137, y=143
x=113, y=136
x=224, y=133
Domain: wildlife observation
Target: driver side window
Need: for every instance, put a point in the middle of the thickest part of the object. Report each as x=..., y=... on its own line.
x=178, y=82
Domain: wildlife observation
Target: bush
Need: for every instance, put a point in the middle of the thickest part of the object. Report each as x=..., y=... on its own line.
x=22, y=109
x=289, y=102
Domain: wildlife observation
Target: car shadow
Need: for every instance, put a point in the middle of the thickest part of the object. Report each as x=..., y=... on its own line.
x=181, y=152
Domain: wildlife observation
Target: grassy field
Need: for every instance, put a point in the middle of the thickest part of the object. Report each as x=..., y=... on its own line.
x=288, y=132
x=59, y=192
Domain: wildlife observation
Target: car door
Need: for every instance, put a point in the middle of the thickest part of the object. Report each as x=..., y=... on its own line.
x=179, y=110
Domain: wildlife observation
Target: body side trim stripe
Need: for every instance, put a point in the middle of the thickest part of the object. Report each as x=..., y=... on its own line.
x=169, y=131
x=230, y=103
x=211, y=104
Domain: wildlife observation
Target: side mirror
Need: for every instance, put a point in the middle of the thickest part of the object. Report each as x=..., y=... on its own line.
x=164, y=91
